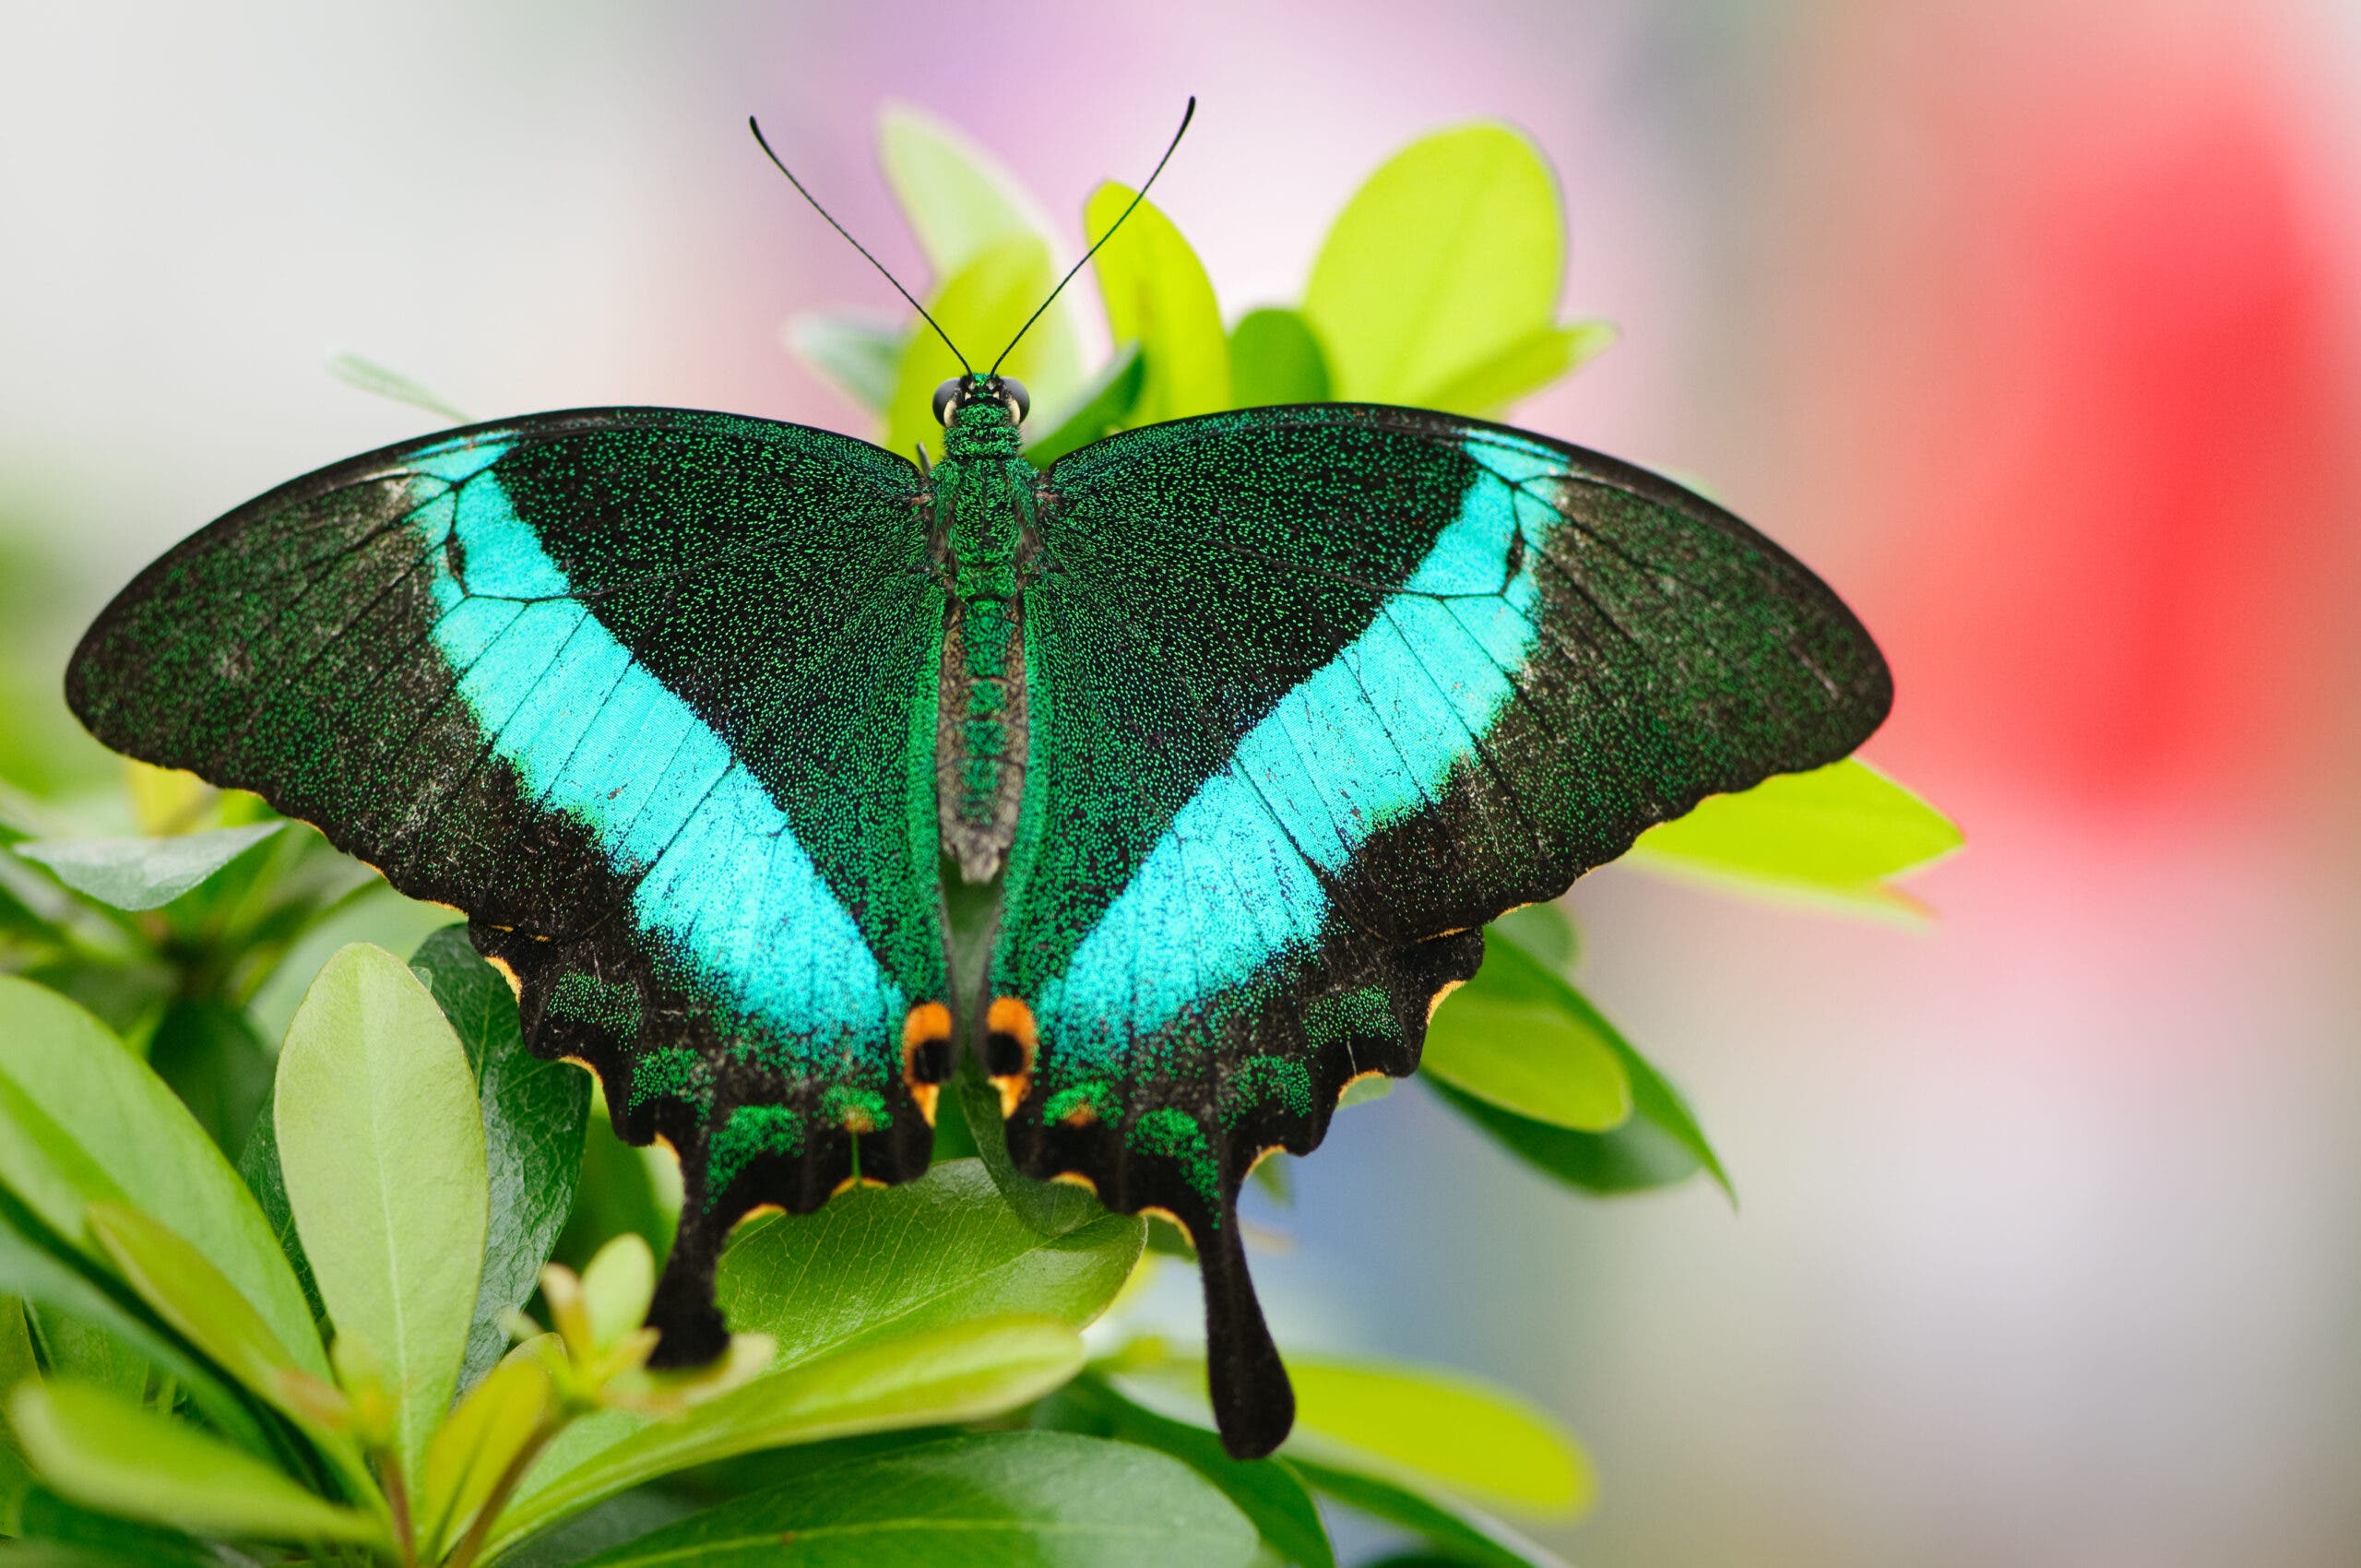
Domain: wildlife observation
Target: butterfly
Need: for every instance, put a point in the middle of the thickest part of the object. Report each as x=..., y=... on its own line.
x=1254, y=720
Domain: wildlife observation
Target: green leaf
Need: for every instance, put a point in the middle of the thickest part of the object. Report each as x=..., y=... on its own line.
x=1465, y=1535
x=1000, y=1499
x=1488, y=388
x=1415, y=1425
x=1274, y=357
x=1268, y=1491
x=258, y=1168
x=1104, y=403
x=1546, y=932
x=382, y=1142
x=143, y=873
x=1051, y=1208
x=473, y=1449
x=1452, y=253
x=211, y=1055
x=959, y=200
x=1837, y=833
x=930, y=1252
x=1518, y=1037
x=981, y=307
x=958, y=1372
x=1659, y=1144
x=535, y=1114
x=106, y=1455
x=368, y=375
x=1157, y=295
x=619, y=1193
x=83, y=1120
x=73, y=1536
x=857, y=356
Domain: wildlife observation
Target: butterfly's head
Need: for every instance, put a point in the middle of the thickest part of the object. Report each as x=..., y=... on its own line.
x=979, y=401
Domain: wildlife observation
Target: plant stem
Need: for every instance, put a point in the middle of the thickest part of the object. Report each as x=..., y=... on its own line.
x=389, y=1477
x=480, y=1529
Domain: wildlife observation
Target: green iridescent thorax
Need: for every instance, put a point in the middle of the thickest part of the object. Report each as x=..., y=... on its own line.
x=982, y=504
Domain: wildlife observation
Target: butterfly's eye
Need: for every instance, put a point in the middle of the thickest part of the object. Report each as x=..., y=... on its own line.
x=945, y=395
x=1019, y=401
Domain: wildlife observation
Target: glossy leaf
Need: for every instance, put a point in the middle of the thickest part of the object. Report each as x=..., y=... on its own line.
x=473, y=1448
x=1268, y=1491
x=1465, y=1535
x=113, y=1457
x=983, y=302
x=1517, y=1037
x=383, y=1147
x=1159, y=296
x=143, y=873
x=1000, y=1499
x=857, y=355
x=1274, y=357
x=930, y=1252
x=959, y=1372
x=82, y=1120
x=1837, y=833
x=1104, y=403
x=958, y=200
x=1490, y=388
x=535, y=1113
x=1051, y=1209
x=211, y=1057
x=1451, y=255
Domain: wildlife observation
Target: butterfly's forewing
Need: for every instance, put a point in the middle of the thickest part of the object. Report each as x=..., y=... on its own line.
x=650, y=694
x=1316, y=692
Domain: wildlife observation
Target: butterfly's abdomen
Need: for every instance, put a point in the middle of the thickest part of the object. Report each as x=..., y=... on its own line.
x=980, y=734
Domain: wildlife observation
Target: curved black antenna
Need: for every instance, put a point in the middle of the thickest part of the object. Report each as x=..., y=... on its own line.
x=1186, y=115
x=856, y=244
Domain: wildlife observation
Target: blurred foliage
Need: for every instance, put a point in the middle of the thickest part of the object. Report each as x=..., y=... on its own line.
x=404, y=1325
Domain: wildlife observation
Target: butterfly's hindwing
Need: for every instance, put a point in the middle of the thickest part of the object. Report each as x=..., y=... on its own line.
x=1316, y=692
x=650, y=696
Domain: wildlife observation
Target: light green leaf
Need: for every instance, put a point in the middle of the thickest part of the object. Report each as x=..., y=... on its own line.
x=1104, y=403
x=924, y=1255
x=143, y=873
x=1416, y=1426
x=1546, y=932
x=1268, y=1491
x=959, y=1372
x=535, y=1113
x=959, y=200
x=115, y=1457
x=1465, y=1534
x=83, y=1120
x=367, y=375
x=1516, y=1036
x=381, y=1140
x=1490, y=388
x=1159, y=296
x=1451, y=255
x=981, y=307
x=998, y=1500
x=1274, y=357
x=473, y=1449
x=856, y=354
x=1838, y=832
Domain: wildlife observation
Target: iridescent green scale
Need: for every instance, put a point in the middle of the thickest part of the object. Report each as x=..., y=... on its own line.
x=1254, y=720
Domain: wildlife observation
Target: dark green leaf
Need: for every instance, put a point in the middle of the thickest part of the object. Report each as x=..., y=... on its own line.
x=143, y=873
x=103, y=1539
x=1268, y=1491
x=1002, y=1499
x=1051, y=1208
x=214, y=1061
x=535, y=1113
x=1274, y=357
x=1104, y=403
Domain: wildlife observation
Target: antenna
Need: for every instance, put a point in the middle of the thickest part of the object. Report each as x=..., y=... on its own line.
x=807, y=196
x=1186, y=115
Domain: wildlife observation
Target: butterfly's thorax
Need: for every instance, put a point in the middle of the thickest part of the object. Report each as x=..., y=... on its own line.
x=982, y=504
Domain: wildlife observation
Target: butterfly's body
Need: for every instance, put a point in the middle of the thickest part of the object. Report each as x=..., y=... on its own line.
x=981, y=503
x=1257, y=716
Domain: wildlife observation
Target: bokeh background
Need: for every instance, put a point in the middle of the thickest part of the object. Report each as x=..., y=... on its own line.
x=2035, y=327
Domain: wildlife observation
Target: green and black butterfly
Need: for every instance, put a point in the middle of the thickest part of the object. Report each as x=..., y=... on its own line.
x=1254, y=720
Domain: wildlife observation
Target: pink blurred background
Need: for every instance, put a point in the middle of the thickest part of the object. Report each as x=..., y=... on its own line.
x=2034, y=327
